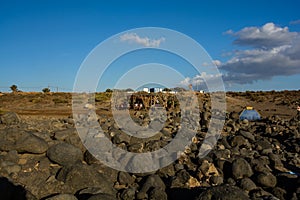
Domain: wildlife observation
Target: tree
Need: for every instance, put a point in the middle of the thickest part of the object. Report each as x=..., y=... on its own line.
x=108, y=90
x=14, y=88
x=46, y=90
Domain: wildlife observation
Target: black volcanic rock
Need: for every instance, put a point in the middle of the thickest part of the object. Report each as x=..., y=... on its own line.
x=21, y=141
x=64, y=154
x=241, y=169
x=80, y=176
x=224, y=192
x=266, y=180
x=257, y=160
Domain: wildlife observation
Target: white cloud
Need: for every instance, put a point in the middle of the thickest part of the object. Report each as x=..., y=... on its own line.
x=200, y=80
x=212, y=64
x=276, y=52
x=267, y=36
x=145, y=41
x=217, y=62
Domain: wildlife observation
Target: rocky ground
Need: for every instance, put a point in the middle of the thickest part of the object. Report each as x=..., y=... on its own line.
x=42, y=157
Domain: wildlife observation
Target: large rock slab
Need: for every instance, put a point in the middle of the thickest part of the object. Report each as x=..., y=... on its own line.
x=21, y=141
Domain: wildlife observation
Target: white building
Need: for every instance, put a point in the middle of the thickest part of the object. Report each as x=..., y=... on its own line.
x=146, y=90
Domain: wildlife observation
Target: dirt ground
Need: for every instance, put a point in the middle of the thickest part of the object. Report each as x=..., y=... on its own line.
x=57, y=105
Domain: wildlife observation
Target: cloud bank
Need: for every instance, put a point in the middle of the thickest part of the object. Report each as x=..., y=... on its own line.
x=144, y=41
x=272, y=51
x=266, y=52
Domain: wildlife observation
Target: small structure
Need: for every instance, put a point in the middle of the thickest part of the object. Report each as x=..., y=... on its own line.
x=145, y=89
x=250, y=114
x=156, y=90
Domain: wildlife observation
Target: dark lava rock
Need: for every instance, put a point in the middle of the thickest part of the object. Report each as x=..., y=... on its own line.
x=224, y=192
x=158, y=193
x=279, y=193
x=153, y=181
x=128, y=194
x=21, y=141
x=90, y=159
x=9, y=118
x=64, y=154
x=62, y=197
x=247, y=184
x=263, y=144
x=260, y=194
x=125, y=179
x=102, y=197
x=12, y=156
x=180, y=179
x=70, y=135
x=241, y=168
x=266, y=180
x=167, y=171
x=80, y=176
x=247, y=135
x=238, y=141
x=216, y=180
x=234, y=115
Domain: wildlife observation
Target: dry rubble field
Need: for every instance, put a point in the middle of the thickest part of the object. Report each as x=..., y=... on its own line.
x=42, y=156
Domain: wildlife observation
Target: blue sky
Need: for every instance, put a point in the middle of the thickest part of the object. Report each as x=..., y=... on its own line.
x=44, y=42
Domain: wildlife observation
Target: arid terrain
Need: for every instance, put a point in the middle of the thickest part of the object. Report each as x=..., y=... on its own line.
x=42, y=157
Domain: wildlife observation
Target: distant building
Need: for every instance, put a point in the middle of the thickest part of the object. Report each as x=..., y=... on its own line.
x=146, y=90
x=156, y=90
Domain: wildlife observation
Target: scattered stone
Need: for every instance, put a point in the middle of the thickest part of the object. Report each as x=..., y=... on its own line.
x=241, y=168
x=12, y=156
x=158, y=193
x=266, y=180
x=10, y=167
x=216, y=180
x=257, y=160
x=238, y=141
x=224, y=192
x=102, y=197
x=153, y=181
x=247, y=184
x=21, y=141
x=9, y=118
x=64, y=154
x=193, y=182
x=128, y=194
x=125, y=179
x=279, y=193
x=80, y=176
x=247, y=135
x=180, y=179
x=62, y=197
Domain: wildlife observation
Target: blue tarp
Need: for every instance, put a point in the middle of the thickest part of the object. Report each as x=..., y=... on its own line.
x=250, y=115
